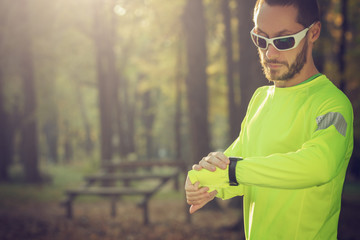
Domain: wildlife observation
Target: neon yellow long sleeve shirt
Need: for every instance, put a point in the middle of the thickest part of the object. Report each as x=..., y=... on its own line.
x=296, y=143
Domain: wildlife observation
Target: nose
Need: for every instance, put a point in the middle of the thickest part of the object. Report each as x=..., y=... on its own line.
x=272, y=52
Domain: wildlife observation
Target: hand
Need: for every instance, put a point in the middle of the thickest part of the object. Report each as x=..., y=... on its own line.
x=213, y=160
x=197, y=197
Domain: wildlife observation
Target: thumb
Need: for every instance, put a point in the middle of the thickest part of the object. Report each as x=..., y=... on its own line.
x=194, y=208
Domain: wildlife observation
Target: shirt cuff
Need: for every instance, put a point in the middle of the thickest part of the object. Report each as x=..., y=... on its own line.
x=213, y=180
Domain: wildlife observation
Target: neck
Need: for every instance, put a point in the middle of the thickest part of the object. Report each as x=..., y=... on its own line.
x=308, y=70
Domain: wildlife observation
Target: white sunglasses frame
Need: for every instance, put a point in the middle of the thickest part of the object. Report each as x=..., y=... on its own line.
x=297, y=37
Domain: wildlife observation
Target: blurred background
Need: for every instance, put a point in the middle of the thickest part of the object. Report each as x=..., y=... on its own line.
x=84, y=82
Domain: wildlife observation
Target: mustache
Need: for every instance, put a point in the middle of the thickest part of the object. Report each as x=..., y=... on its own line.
x=268, y=61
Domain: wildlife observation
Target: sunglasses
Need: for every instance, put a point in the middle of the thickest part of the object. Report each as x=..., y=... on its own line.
x=283, y=43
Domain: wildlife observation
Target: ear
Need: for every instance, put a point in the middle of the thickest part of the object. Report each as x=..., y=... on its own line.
x=314, y=32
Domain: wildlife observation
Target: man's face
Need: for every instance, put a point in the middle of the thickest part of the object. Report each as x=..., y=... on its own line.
x=277, y=21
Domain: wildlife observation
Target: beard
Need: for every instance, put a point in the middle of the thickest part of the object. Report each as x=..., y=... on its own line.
x=293, y=69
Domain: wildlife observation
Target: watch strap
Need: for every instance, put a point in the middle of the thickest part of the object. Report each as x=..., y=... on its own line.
x=232, y=170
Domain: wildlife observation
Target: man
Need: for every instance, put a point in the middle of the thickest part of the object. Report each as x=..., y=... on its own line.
x=296, y=138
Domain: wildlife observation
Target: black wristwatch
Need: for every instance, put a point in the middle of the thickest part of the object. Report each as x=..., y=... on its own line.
x=232, y=170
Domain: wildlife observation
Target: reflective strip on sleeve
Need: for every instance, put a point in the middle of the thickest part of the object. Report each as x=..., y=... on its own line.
x=332, y=118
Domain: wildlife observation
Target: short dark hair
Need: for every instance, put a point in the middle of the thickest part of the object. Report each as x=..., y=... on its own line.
x=308, y=10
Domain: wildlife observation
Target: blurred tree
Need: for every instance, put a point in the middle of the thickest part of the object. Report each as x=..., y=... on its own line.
x=353, y=79
x=319, y=53
x=124, y=109
x=5, y=145
x=125, y=112
x=178, y=97
x=250, y=74
x=29, y=134
x=232, y=106
x=89, y=145
x=196, y=80
x=68, y=146
x=51, y=133
x=4, y=120
x=106, y=73
x=148, y=117
x=342, y=46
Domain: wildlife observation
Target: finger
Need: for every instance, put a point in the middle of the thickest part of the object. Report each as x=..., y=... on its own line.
x=198, y=202
x=191, y=198
x=191, y=187
x=196, y=167
x=198, y=198
x=188, y=185
x=197, y=191
x=205, y=163
x=223, y=157
x=197, y=194
x=212, y=194
x=218, y=159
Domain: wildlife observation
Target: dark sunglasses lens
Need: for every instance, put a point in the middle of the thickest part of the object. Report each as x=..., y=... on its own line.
x=260, y=42
x=284, y=43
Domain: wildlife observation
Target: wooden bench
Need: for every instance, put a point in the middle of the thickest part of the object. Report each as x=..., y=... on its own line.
x=116, y=192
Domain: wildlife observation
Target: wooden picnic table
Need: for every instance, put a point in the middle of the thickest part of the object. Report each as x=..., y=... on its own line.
x=115, y=192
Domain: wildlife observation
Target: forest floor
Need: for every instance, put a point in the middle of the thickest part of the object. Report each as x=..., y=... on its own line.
x=92, y=221
x=34, y=213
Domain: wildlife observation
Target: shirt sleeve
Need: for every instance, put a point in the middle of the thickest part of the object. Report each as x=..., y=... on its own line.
x=227, y=192
x=317, y=162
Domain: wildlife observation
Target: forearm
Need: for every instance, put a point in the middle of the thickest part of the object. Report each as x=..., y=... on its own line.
x=316, y=163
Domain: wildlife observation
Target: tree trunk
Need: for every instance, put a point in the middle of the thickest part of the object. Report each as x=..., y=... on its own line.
x=4, y=125
x=105, y=61
x=5, y=146
x=51, y=133
x=196, y=80
x=178, y=99
x=319, y=53
x=342, y=47
x=249, y=68
x=125, y=110
x=88, y=143
x=232, y=108
x=29, y=138
x=68, y=143
x=148, y=117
